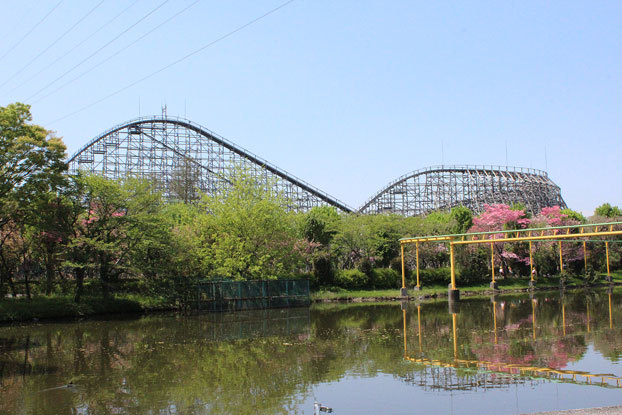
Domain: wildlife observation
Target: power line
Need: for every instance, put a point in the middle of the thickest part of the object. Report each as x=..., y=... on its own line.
x=52, y=44
x=97, y=51
x=223, y=37
x=102, y=27
x=100, y=63
x=31, y=30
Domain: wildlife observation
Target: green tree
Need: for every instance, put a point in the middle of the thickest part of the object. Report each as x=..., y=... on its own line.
x=319, y=224
x=608, y=211
x=33, y=170
x=574, y=215
x=463, y=217
x=249, y=234
x=117, y=219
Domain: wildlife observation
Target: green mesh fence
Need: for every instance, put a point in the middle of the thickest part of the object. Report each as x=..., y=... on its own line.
x=251, y=295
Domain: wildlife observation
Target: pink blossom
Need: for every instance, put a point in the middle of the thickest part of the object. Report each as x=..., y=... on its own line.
x=495, y=217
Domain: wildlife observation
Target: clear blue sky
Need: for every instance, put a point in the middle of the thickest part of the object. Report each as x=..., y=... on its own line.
x=347, y=95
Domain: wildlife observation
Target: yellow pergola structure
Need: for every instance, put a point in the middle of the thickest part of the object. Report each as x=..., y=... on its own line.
x=579, y=233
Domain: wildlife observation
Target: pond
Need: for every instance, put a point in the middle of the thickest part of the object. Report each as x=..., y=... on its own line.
x=506, y=355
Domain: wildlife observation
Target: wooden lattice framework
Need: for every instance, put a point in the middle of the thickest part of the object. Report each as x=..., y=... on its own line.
x=183, y=158
x=443, y=187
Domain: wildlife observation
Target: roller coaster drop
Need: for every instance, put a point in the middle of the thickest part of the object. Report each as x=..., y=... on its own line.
x=183, y=157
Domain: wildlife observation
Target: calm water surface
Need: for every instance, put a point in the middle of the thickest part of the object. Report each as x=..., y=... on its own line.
x=492, y=356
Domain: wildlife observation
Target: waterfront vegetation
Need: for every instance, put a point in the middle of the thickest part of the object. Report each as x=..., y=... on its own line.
x=73, y=245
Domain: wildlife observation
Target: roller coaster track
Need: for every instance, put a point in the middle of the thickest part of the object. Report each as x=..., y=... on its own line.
x=443, y=187
x=183, y=157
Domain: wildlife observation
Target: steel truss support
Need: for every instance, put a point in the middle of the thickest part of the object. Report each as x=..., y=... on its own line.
x=444, y=187
x=183, y=158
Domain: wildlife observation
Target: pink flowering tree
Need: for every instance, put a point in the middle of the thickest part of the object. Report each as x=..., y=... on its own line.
x=515, y=256
x=546, y=253
x=499, y=217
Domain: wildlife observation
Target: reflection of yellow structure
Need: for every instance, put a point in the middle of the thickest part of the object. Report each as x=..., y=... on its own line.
x=610, y=312
x=561, y=375
x=564, y=318
x=494, y=319
x=533, y=318
x=559, y=234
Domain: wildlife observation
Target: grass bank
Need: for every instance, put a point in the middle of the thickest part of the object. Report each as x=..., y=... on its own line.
x=59, y=307
x=433, y=291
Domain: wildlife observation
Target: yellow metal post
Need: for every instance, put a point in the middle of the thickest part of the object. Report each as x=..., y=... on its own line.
x=403, y=269
x=607, y=254
x=492, y=259
x=417, y=261
x=453, y=267
x=561, y=259
x=530, y=260
x=585, y=256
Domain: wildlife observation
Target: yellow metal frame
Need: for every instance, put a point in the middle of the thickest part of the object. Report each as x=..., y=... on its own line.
x=558, y=233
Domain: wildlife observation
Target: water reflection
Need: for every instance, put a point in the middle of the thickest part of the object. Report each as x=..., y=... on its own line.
x=280, y=361
x=480, y=363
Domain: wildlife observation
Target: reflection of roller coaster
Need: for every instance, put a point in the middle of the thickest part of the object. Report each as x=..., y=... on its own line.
x=488, y=374
x=183, y=157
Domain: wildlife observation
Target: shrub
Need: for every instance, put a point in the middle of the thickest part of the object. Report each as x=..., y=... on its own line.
x=385, y=278
x=591, y=277
x=429, y=276
x=476, y=267
x=323, y=271
x=351, y=279
x=396, y=264
x=366, y=267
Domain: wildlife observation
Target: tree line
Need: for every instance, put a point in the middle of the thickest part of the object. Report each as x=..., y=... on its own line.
x=88, y=235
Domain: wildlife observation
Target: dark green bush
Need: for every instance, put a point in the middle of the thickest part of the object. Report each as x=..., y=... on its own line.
x=323, y=271
x=351, y=279
x=396, y=264
x=366, y=267
x=475, y=267
x=385, y=278
x=431, y=276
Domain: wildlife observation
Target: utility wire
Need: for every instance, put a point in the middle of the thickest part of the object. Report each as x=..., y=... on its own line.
x=31, y=30
x=100, y=63
x=102, y=27
x=97, y=51
x=183, y=58
x=52, y=44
